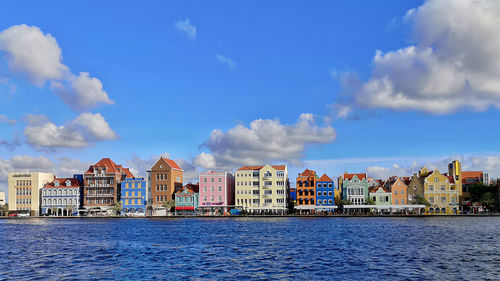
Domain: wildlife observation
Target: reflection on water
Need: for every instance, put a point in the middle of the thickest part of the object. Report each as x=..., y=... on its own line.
x=251, y=248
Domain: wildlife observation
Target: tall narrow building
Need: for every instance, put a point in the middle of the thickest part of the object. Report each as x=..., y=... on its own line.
x=101, y=187
x=24, y=191
x=164, y=179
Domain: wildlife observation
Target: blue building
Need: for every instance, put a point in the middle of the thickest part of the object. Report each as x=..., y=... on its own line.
x=325, y=193
x=133, y=197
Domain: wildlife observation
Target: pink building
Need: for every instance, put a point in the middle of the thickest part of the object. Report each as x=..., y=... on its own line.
x=216, y=192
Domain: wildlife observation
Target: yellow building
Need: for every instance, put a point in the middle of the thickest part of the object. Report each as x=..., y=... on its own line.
x=24, y=187
x=441, y=191
x=262, y=188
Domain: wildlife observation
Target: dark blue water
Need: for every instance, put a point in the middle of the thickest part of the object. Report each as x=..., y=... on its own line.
x=444, y=248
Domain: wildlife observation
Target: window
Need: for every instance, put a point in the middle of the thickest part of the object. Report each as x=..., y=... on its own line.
x=157, y=176
x=220, y=188
x=205, y=198
x=319, y=193
x=329, y=201
x=402, y=192
x=220, y=198
x=395, y=192
x=220, y=179
x=431, y=187
x=212, y=189
x=397, y=201
x=212, y=198
x=319, y=201
x=402, y=201
x=431, y=199
x=443, y=199
x=453, y=199
x=324, y=193
x=436, y=179
x=204, y=179
x=319, y=185
x=204, y=189
x=443, y=187
x=212, y=179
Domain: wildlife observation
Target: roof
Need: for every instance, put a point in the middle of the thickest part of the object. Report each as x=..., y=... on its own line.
x=172, y=163
x=62, y=183
x=406, y=180
x=472, y=174
x=111, y=167
x=376, y=188
x=192, y=188
x=308, y=173
x=248, y=168
x=350, y=176
x=324, y=177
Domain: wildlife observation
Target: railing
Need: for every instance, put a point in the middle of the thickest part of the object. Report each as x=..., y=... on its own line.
x=99, y=195
x=99, y=185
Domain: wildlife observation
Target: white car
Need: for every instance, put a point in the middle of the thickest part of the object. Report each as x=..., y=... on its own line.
x=23, y=215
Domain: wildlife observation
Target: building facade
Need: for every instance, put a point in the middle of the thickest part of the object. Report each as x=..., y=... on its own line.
x=2, y=198
x=262, y=188
x=441, y=192
x=380, y=195
x=325, y=193
x=101, y=186
x=306, y=189
x=216, y=192
x=24, y=191
x=355, y=188
x=62, y=197
x=164, y=179
x=398, y=189
x=415, y=188
x=133, y=196
x=186, y=199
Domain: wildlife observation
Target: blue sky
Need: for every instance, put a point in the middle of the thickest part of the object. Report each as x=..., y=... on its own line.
x=246, y=61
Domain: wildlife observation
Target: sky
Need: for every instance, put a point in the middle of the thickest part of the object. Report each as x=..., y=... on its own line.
x=382, y=87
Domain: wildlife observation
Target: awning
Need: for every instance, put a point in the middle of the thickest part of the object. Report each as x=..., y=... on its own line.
x=184, y=208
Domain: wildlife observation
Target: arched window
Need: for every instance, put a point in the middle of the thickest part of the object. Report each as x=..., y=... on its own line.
x=443, y=210
x=65, y=201
x=50, y=201
x=60, y=201
x=44, y=201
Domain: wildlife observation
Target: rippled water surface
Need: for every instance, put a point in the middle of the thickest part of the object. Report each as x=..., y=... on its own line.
x=449, y=248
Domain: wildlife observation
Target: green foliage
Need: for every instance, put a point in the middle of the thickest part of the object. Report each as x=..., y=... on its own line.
x=420, y=200
x=4, y=210
x=169, y=205
x=117, y=208
x=370, y=201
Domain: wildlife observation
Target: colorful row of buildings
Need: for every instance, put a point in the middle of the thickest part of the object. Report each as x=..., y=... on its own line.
x=106, y=188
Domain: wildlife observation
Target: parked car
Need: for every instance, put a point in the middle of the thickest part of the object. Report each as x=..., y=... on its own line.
x=13, y=215
x=23, y=215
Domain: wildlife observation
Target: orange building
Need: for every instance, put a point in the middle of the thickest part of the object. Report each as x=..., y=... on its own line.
x=306, y=188
x=399, y=190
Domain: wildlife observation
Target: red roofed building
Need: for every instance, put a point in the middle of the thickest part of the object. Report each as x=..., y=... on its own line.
x=164, y=179
x=306, y=188
x=101, y=185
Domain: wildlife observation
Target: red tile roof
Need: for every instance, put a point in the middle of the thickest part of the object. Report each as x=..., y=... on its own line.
x=308, y=173
x=172, y=163
x=192, y=188
x=350, y=176
x=375, y=189
x=472, y=174
x=247, y=168
x=62, y=183
x=324, y=177
x=111, y=167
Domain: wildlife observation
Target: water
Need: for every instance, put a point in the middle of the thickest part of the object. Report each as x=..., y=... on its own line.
x=444, y=248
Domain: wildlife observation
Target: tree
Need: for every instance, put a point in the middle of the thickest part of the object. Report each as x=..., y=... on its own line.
x=420, y=200
x=488, y=200
x=4, y=210
x=117, y=208
x=370, y=201
x=169, y=205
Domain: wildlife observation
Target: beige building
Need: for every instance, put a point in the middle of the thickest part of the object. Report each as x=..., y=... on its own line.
x=2, y=198
x=262, y=188
x=24, y=191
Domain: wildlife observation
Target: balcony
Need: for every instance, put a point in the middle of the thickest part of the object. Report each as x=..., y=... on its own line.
x=99, y=195
x=99, y=185
x=267, y=177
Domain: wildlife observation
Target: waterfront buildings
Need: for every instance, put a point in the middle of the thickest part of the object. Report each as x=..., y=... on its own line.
x=164, y=179
x=325, y=193
x=24, y=187
x=133, y=196
x=186, y=199
x=354, y=188
x=102, y=182
x=262, y=188
x=306, y=189
x=61, y=197
x=216, y=192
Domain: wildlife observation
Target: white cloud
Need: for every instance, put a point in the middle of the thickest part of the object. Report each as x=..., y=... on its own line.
x=96, y=126
x=227, y=61
x=81, y=92
x=264, y=141
x=185, y=28
x=7, y=86
x=33, y=53
x=87, y=128
x=454, y=64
